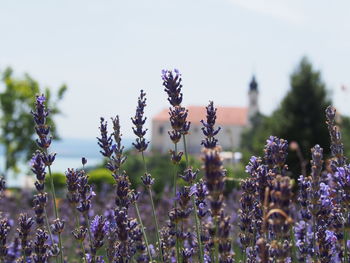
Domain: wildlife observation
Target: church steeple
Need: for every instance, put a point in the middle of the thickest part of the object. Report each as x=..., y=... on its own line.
x=253, y=95
x=253, y=86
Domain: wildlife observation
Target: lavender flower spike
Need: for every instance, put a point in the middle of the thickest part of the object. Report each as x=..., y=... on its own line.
x=99, y=228
x=172, y=86
x=4, y=231
x=208, y=127
x=139, y=120
x=337, y=147
x=105, y=142
x=2, y=185
x=42, y=129
x=276, y=152
x=25, y=224
x=40, y=248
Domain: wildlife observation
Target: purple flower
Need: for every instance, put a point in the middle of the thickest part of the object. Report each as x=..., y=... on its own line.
x=215, y=179
x=178, y=119
x=172, y=86
x=141, y=144
x=330, y=236
x=4, y=231
x=57, y=226
x=147, y=180
x=99, y=224
x=38, y=167
x=189, y=175
x=41, y=99
x=208, y=128
x=99, y=228
x=303, y=198
x=91, y=259
x=302, y=240
x=337, y=147
x=105, y=142
x=42, y=129
x=276, y=152
x=72, y=181
x=2, y=185
x=85, y=193
x=40, y=246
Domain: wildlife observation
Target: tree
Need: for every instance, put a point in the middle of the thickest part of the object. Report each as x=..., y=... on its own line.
x=17, y=126
x=302, y=113
x=299, y=118
x=344, y=125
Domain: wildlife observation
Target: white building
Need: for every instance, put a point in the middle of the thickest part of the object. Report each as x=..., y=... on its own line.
x=232, y=120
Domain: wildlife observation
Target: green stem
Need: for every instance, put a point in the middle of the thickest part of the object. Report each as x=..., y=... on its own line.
x=314, y=256
x=53, y=191
x=77, y=222
x=48, y=226
x=175, y=206
x=144, y=162
x=154, y=212
x=185, y=149
x=216, y=242
x=346, y=259
x=196, y=219
x=56, y=210
x=294, y=252
x=156, y=223
x=49, y=229
x=198, y=230
x=143, y=231
x=89, y=233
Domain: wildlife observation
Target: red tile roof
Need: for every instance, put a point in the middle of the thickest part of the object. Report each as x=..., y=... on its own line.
x=225, y=115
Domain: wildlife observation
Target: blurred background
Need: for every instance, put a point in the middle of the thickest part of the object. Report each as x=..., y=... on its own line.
x=271, y=68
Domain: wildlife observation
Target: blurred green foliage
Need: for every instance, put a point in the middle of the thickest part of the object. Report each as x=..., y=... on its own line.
x=300, y=117
x=100, y=176
x=234, y=174
x=162, y=170
x=59, y=180
x=159, y=165
x=344, y=125
x=17, y=97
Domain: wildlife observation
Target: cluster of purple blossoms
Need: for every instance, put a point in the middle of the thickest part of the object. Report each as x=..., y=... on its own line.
x=24, y=229
x=139, y=121
x=123, y=236
x=41, y=160
x=2, y=185
x=215, y=175
x=209, y=131
x=265, y=217
x=276, y=150
x=43, y=129
x=178, y=114
x=172, y=86
x=272, y=228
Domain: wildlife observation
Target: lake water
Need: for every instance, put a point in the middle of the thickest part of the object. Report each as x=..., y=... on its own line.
x=69, y=154
x=60, y=165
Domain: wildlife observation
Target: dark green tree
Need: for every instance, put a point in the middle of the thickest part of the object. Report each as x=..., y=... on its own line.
x=301, y=115
x=17, y=97
x=344, y=125
x=299, y=118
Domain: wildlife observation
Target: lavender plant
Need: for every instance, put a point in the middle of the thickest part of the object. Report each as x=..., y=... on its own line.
x=275, y=223
x=42, y=129
x=141, y=146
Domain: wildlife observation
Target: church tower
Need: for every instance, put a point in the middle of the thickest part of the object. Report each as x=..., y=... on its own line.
x=253, y=95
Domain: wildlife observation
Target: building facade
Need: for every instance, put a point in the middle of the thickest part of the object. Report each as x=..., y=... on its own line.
x=232, y=120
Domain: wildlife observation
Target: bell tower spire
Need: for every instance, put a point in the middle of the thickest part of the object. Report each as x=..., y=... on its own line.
x=253, y=96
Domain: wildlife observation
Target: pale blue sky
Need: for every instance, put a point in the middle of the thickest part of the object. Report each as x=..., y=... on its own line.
x=106, y=51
